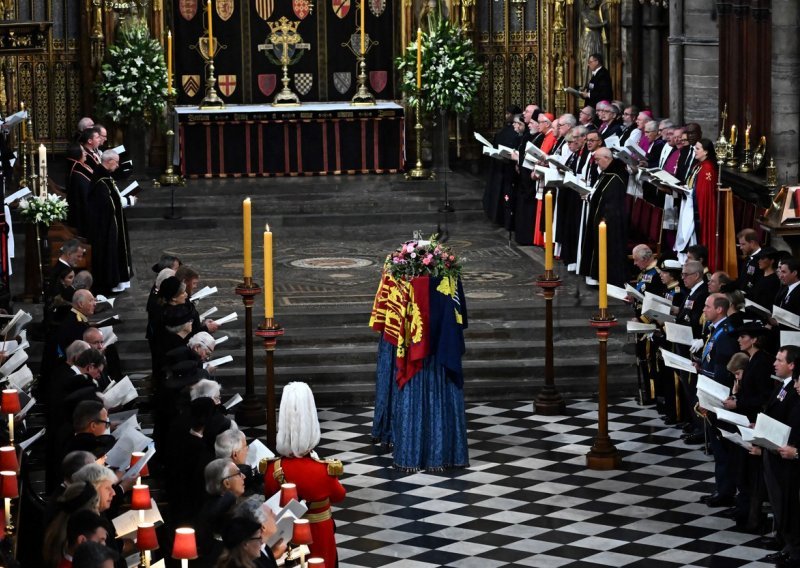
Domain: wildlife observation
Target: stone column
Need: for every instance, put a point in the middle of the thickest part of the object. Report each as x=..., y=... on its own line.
x=676, y=39
x=785, y=144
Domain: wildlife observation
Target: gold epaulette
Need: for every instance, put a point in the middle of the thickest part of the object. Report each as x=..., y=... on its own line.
x=335, y=467
x=262, y=465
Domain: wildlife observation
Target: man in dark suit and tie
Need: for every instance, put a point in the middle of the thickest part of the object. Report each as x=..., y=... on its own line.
x=780, y=469
x=599, y=87
x=749, y=273
x=691, y=313
x=788, y=297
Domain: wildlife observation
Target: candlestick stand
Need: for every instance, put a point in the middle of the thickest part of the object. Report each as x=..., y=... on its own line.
x=603, y=455
x=363, y=96
x=211, y=100
x=169, y=177
x=549, y=401
x=269, y=331
x=23, y=158
x=251, y=411
x=418, y=172
x=747, y=160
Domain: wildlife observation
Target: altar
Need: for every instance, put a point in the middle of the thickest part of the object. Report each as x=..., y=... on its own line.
x=310, y=139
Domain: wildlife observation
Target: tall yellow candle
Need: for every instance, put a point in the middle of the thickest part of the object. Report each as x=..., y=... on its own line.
x=363, y=10
x=210, y=29
x=747, y=138
x=248, y=239
x=603, y=265
x=269, y=303
x=169, y=62
x=733, y=135
x=23, y=127
x=548, y=231
x=419, y=59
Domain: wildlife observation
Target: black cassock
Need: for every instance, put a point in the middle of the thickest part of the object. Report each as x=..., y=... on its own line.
x=502, y=176
x=608, y=203
x=568, y=217
x=78, y=184
x=108, y=233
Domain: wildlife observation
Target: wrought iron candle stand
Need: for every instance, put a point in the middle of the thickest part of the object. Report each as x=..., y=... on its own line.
x=603, y=455
x=549, y=401
x=251, y=411
x=270, y=331
x=170, y=177
x=419, y=172
x=363, y=96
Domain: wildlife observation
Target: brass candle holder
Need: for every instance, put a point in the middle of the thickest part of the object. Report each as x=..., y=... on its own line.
x=211, y=100
x=772, y=174
x=363, y=96
x=170, y=177
x=747, y=160
x=419, y=172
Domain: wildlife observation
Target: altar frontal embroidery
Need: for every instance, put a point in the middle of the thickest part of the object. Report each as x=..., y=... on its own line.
x=225, y=9
x=227, y=84
x=342, y=80
x=340, y=8
x=191, y=84
x=266, y=83
x=188, y=9
x=303, y=82
x=264, y=8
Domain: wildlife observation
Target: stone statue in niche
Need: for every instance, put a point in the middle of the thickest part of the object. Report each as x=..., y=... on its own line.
x=593, y=34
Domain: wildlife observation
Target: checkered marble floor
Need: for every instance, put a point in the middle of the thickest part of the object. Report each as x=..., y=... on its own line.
x=528, y=500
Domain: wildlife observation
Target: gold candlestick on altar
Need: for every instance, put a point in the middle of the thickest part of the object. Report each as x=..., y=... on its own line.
x=731, y=163
x=211, y=100
x=363, y=96
x=418, y=172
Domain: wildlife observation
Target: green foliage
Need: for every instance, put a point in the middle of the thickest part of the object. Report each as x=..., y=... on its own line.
x=450, y=71
x=134, y=81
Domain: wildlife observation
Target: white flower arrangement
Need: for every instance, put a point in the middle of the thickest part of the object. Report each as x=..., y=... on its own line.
x=44, y=209
x=134, y=82
x=450, y=71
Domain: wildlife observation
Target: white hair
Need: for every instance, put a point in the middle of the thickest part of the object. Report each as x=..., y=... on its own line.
x=94, y=473
x=251, y=508
x=163, y=275
x=204, y=388
x=298, y=425
x=228, y=442
x=203, y=339
x=215, y=473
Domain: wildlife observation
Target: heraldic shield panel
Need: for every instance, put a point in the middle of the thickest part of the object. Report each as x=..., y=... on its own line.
x=318, y=38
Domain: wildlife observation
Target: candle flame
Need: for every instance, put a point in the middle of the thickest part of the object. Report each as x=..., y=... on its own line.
x=266, y=228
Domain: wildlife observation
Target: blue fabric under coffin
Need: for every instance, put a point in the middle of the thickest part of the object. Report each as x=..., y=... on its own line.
x=384, y=383
x=429, y=425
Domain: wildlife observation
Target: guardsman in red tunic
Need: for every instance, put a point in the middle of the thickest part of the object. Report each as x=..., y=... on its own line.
x=317, y=480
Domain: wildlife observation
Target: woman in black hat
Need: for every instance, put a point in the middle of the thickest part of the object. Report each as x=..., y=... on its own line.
x=766, y=288
x=751, y=390
x=242, y=540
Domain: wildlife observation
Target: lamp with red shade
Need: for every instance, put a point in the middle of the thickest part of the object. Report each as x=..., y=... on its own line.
x=135, y=457
x=316, y=562
x=8, y=459
x=146, y=541
x=140, y=500
x=288, y=492
x=301, y=538
x=184, y=548
x=9, y=489
x=9, y=404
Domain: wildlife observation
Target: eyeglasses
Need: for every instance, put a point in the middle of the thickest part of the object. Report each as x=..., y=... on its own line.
x=106, y=422
x=237, y=474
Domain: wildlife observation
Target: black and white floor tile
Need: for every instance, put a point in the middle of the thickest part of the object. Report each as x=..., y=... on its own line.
x=527, y=498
